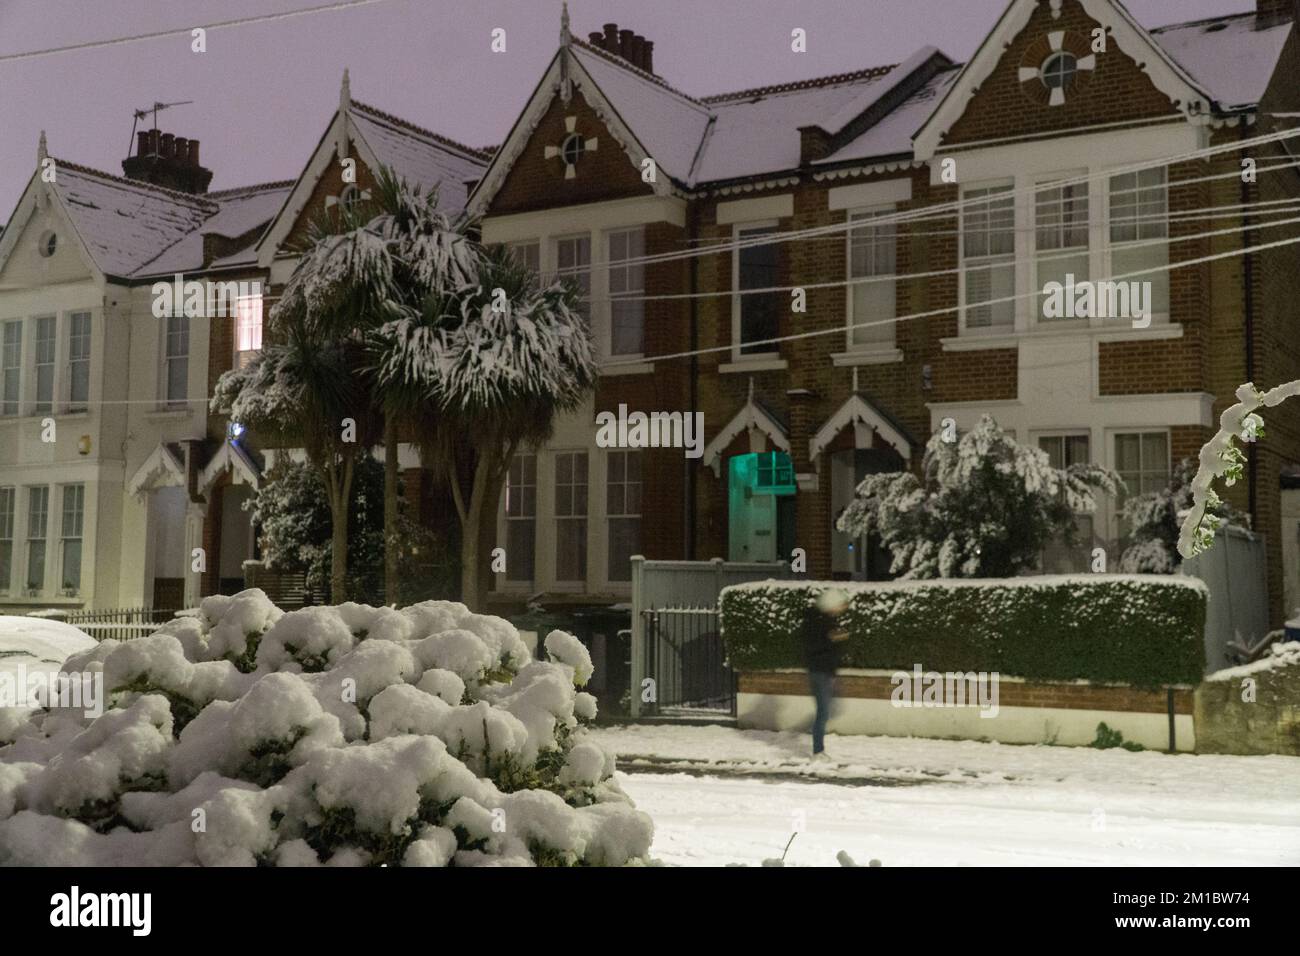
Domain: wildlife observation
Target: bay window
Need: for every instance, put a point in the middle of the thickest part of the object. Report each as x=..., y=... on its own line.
x=1139, y=219
x=573, y=262
x=988, y=239
x=38, y=511
x=78, y=360
x=1060, y=237
x=571, y=516
x=11, y=362
x=626, y=247
x=44, y=364
x=70, y=531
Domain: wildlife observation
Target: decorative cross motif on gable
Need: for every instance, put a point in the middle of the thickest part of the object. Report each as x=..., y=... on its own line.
x=1055, y=66
x=573, y=147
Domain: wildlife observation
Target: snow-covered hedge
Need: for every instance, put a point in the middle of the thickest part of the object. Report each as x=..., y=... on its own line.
x=346, y=735
x=1145, y=630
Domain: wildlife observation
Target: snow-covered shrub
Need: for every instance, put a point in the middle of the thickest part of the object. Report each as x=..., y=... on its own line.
x=985, y=506
x=1145, y=630
x=356, y=736
x=1152, y=520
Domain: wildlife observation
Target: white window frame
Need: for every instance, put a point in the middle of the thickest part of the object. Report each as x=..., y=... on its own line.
x=1043, y=184
x=966, y=264
x=866, y=213
x=624, y=514
x=1111, y=246
x=65, y=537
x=41, y=406
x=14, y=370
x=566, y=272
x=504, y=580
x=8, y=533
x=556, y=519
x=515, y=247
x=610, y=297
x=1112, y=453
x=737, y=356
x=165, y=401
x=29, y=540
x=71, y=404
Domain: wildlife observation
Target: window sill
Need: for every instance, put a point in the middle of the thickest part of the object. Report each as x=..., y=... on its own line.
x=754, y=365
x=28, y=600
x=626, y=367
x=167, y=414
x=867, y=357
x=978, y=341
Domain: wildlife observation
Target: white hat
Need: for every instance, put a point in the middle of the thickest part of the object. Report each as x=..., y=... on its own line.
x=832, y=601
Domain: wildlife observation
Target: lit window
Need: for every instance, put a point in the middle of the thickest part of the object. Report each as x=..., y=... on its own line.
x=248, y=328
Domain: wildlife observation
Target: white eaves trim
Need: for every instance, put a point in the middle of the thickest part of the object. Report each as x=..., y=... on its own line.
x=28, y=206
x=858, y=411
x=1127, y=34
x=230, y=458
x=751, y=416
x=161, y=469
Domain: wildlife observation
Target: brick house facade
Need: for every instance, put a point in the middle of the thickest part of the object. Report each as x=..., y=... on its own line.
x=924, y=134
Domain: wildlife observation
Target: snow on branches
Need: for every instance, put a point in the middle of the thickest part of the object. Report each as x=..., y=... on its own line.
x=1221, y=458
x=985, y=506
x=338, y=736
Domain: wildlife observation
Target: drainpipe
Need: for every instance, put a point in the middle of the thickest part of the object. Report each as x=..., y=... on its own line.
x=1248, y=280
x=694, y=395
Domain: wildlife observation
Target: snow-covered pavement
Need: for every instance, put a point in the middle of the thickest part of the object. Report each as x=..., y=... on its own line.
x=719, y=795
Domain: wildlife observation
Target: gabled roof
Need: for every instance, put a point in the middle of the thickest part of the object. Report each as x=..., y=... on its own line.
x=420, y=156
x=133, y=230
x=1233, y=57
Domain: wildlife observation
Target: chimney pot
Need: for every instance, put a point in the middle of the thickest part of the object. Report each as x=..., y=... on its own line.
x=625, y=44
x=182, y=150
x=142, y=143
x=597, y=39
x=153, y=143
x=194, y=152
x=638, y=51
x=648, y=55
x=167, y=146
x=611, y=37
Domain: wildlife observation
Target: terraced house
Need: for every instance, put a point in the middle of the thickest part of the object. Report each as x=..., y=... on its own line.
x=1064, y=147
x=112, y=470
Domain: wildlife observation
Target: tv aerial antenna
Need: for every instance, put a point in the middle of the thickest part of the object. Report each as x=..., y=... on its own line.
x=142, y=113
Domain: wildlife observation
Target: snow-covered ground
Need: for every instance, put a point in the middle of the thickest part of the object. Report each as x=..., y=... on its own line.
x=719, y=795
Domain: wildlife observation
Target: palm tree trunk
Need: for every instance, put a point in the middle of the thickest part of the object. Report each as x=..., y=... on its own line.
x=471, y=531
x=390, y=507
x=340, y=492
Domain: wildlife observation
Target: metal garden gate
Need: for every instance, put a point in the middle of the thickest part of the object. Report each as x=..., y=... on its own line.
x=684, y=653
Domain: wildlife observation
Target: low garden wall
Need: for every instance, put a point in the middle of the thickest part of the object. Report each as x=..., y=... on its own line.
x=1252, y=709
x=1040, y=660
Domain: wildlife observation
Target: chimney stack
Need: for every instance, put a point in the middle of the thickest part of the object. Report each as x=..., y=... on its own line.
x=1270, y=13
x=167, y=160
x=627, y=44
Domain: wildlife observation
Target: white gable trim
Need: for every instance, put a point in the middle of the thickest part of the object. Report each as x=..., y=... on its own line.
x=268, y=247
x=230, y=458
x=1126, y=33
x=161, y=469
x=858, y=411
x=751, y=417
x=27, y=208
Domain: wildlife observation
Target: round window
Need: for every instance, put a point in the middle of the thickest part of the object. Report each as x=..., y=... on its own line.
x=1058, y=70
x=47, y=244
x=350, y=196
x=572, y=149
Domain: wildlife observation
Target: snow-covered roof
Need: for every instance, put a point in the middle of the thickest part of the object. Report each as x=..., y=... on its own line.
x=892, y=136
x=419, y=155
x=1231, y=57
x=136, y=230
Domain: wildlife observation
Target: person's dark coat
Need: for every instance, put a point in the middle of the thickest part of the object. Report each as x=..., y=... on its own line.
x=820, y=653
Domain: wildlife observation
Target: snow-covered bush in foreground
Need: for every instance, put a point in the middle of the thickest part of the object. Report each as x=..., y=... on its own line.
x=340, y=736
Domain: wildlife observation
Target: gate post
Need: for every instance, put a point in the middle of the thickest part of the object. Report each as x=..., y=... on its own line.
x=638, y=636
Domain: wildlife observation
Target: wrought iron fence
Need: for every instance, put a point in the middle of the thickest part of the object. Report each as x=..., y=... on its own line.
x=686, y=660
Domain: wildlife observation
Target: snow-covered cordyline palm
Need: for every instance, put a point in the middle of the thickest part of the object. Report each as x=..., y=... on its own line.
x=495, y=365
x=302, y=387
x=985, y=506
x=367, y=263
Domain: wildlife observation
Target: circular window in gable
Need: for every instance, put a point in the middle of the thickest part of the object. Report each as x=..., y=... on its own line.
x=47, y=244
x=1058, y=70
x=572, y=148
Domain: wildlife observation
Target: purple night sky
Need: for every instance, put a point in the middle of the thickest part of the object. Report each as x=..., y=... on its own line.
x=263, y=93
